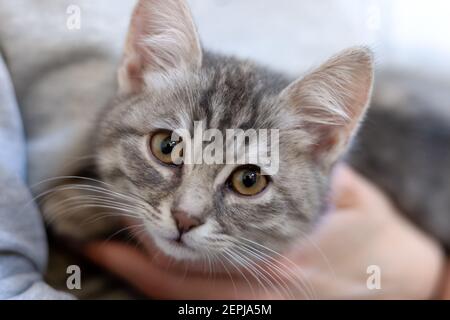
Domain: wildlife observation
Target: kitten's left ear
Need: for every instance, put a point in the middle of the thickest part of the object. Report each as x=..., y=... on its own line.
x=161, y=39
x=330, y=102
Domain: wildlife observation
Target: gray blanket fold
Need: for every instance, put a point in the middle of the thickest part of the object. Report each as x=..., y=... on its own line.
x=23, y=250
x=57, y=81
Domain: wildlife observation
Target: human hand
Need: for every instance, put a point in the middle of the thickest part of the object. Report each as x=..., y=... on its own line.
x=363, y=230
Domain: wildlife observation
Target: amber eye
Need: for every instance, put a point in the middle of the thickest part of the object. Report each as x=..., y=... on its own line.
x=162, y=146
x=248, y=180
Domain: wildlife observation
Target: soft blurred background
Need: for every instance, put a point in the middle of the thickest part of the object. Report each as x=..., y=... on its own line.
x=294, y=35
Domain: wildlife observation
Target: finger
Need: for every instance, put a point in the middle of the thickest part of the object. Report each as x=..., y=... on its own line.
x=350, y=189
x=134, y=267
x=446, y=283
x=344, y=189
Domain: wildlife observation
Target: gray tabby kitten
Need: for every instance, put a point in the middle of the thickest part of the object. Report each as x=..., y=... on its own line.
x=167, y=81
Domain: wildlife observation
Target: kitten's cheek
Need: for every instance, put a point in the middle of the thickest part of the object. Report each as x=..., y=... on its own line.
x=161, y=231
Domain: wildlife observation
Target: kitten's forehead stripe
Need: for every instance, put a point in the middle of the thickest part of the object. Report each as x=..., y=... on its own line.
x=239, y=91
x=206, y=100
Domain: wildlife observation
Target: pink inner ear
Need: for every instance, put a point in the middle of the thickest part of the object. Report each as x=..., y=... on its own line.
x=161, y=37
x=136, y=56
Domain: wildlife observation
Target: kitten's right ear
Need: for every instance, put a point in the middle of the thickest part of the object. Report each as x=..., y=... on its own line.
x=330, y=103
x=162, y=38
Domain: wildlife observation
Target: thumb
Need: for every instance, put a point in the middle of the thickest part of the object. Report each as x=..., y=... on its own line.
x=130, y=264
x=136, y=268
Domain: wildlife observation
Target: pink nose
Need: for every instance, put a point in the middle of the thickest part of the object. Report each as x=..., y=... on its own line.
x=184, y=222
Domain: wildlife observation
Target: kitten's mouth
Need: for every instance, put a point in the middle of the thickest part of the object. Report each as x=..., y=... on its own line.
x=179, y=243
x=176, y=248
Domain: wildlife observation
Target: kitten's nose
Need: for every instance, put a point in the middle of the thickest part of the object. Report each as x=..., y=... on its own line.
x=184, y=222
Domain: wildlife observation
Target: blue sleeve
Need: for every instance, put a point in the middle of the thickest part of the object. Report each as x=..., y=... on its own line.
x=23, y=246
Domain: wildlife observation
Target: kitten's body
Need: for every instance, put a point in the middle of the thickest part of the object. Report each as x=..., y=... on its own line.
x=169, y=83
x=403, y=149
x=399, y=150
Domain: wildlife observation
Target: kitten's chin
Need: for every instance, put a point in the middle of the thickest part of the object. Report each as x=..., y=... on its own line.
x=176, y=249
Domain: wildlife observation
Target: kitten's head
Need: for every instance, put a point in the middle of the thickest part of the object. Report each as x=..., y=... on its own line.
x=167, y=82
